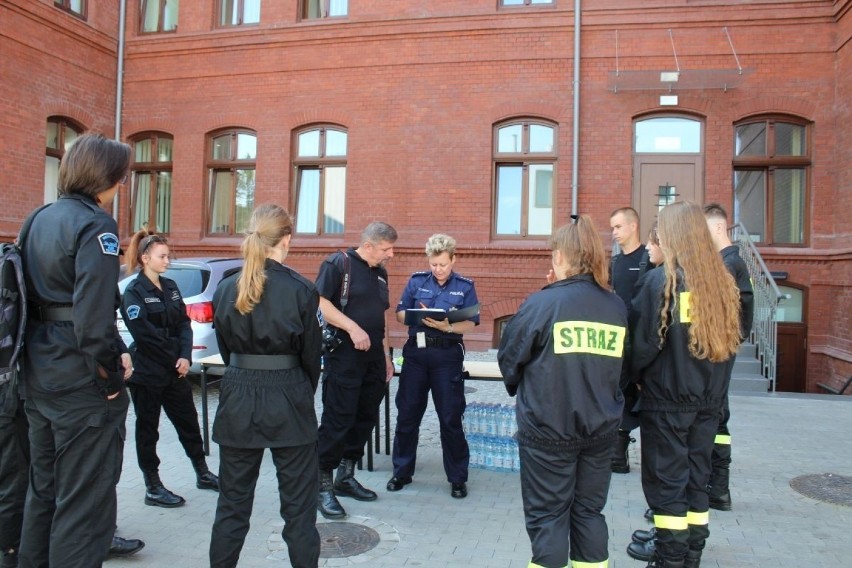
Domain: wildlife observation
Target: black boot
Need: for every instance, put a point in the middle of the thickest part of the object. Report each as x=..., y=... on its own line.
x=158, y=496
x=658, y=562
x=9, y=558
x=693, y=559
x=346, y=485
x=720, y=495
x=620, y=456
x=327, y=503
x=204, y=478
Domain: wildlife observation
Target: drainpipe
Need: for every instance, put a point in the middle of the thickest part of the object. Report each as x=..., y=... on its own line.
x=119, y=84
x=575, y=166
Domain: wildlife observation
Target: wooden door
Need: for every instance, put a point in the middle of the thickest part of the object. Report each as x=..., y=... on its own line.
x=660, y=179
x=791, y=359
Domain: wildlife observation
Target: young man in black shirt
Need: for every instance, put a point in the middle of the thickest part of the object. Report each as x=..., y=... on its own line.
x=356, y=371
x=626, y=268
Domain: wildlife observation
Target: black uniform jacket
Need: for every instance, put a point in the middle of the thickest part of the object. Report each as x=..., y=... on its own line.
x=71, y=259
x=672, y=379
x=562, y=353
x=738, y=269
x=161, y=330
x=283, y=322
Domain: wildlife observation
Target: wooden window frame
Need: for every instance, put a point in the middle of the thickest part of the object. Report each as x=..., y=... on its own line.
x=242, y=12
x=160, y=18
x=65, y=6
x=232, y=164
x=154, y=168
x=300, y=164
x=769, y=163
x=524, y=159
x=326, y=7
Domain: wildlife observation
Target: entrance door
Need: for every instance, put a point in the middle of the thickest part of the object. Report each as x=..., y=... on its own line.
x=661, y=180
x=668, y=165
x=790, y=368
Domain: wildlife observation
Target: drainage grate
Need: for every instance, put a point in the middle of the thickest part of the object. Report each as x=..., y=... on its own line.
x=340, y=540
x=827, y=487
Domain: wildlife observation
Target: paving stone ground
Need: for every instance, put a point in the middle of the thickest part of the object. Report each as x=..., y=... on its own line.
x=776, y=439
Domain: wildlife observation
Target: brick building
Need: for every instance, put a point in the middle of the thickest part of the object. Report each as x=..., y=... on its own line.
x=455, y=116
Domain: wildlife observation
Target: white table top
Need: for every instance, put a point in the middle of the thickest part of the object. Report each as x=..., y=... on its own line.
x=482, y=369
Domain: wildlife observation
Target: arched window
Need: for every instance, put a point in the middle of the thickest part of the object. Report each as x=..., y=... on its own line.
x=524, y=173
x=231, y=164
x=151, y=186
x=319, y=163
x=61, y=133
x=772, y=162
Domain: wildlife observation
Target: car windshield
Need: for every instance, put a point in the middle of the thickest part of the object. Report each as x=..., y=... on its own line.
x=190, y=280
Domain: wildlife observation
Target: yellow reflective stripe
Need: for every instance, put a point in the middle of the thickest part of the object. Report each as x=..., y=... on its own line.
x=588, y=337
x=685, y=305
x=723, y=439
x=671, y=523
x=694, y=518
x=578, y=564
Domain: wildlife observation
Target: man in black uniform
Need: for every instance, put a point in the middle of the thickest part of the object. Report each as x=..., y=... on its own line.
x=717, y=222
x=626, y=268
x=357, y=370
x=74, y=365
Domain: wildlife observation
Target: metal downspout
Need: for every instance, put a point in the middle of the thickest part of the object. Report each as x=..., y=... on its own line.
x=119, y=84
x=575, y=166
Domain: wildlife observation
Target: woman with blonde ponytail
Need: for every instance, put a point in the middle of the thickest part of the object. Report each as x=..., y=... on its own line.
x=562, y=354
x=684, y=326
x=269, y=337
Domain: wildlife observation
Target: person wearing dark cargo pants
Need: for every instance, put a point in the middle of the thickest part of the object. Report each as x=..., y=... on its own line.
x=579, y=479
x=67, y=484
x=14, y=465
x=438, y=369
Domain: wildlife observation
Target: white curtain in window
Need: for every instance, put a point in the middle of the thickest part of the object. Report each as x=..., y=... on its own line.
x=251, y=11
x=338, y=7
x=540, y=199
x=164, y=202
x=307, y=204
x=142, y=200
x=170, y=15
x=51, y=178
x=335, y=199
x=221, y=201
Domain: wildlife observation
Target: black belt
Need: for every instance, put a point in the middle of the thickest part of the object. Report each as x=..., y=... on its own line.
x=264, y=362
x=45, y=313
x=437, y=341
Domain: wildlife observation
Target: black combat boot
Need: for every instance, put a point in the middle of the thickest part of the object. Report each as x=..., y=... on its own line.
x=346, y=485
x=693, y=559
x=659, y=562
x=620, y=456
x=204, y=478
x=327, y=503
x=720, y=494
x=158, y=496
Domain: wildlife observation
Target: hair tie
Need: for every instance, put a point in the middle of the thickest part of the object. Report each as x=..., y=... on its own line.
x=574, y=218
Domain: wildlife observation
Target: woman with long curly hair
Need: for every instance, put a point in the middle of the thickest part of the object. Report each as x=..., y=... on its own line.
x=684, y=326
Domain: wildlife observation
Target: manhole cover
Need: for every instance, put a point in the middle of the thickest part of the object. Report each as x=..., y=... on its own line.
x=340, y=540
x=827, y=487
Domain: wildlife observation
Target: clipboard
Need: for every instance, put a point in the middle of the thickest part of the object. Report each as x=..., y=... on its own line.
x=414, y=316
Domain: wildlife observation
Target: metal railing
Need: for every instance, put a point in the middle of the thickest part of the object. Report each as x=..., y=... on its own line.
x=764, y=331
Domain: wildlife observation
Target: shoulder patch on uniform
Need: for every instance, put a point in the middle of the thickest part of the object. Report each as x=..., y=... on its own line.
x=465, y=279
x=109, y=243
x=422, y=273
x=133, y=311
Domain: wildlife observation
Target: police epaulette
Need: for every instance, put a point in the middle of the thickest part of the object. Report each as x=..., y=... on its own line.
x=422, y=273
x=468, y=280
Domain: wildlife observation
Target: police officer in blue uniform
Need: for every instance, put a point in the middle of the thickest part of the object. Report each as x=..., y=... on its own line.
x=433, y=359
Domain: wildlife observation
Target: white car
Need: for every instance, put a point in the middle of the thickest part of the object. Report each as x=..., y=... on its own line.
x=196, y=279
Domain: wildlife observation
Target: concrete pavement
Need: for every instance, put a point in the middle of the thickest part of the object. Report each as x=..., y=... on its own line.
x=776, y=439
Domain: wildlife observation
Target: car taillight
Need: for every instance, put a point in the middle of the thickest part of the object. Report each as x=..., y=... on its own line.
x=201, y=312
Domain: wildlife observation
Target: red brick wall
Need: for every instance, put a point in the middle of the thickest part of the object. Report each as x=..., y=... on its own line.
x=419, y=87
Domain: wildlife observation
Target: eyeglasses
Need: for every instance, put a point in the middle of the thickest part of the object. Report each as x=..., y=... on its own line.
x=148, y=241
x=123, y=180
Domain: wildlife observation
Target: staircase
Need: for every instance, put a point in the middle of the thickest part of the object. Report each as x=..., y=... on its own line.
x=747, y=375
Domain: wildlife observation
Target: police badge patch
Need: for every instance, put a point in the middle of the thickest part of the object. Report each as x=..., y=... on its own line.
x=133, y=312
x=109, y=243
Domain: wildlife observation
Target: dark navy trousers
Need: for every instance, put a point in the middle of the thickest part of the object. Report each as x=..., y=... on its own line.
x=439, y=370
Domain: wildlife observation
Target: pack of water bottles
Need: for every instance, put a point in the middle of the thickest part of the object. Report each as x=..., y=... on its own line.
x=490, y=430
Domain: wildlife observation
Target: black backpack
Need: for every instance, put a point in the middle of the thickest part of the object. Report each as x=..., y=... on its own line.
x=13, y=304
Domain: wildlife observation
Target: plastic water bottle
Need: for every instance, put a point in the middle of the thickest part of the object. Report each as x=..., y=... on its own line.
x=469, y=423
x=508, y=456
x=490, y=452
x=492, y=421
x=516, y=462
x=507, y=417
x=499, y=455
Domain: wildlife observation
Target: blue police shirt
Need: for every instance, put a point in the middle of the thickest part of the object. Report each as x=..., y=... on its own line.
x=458, y=292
